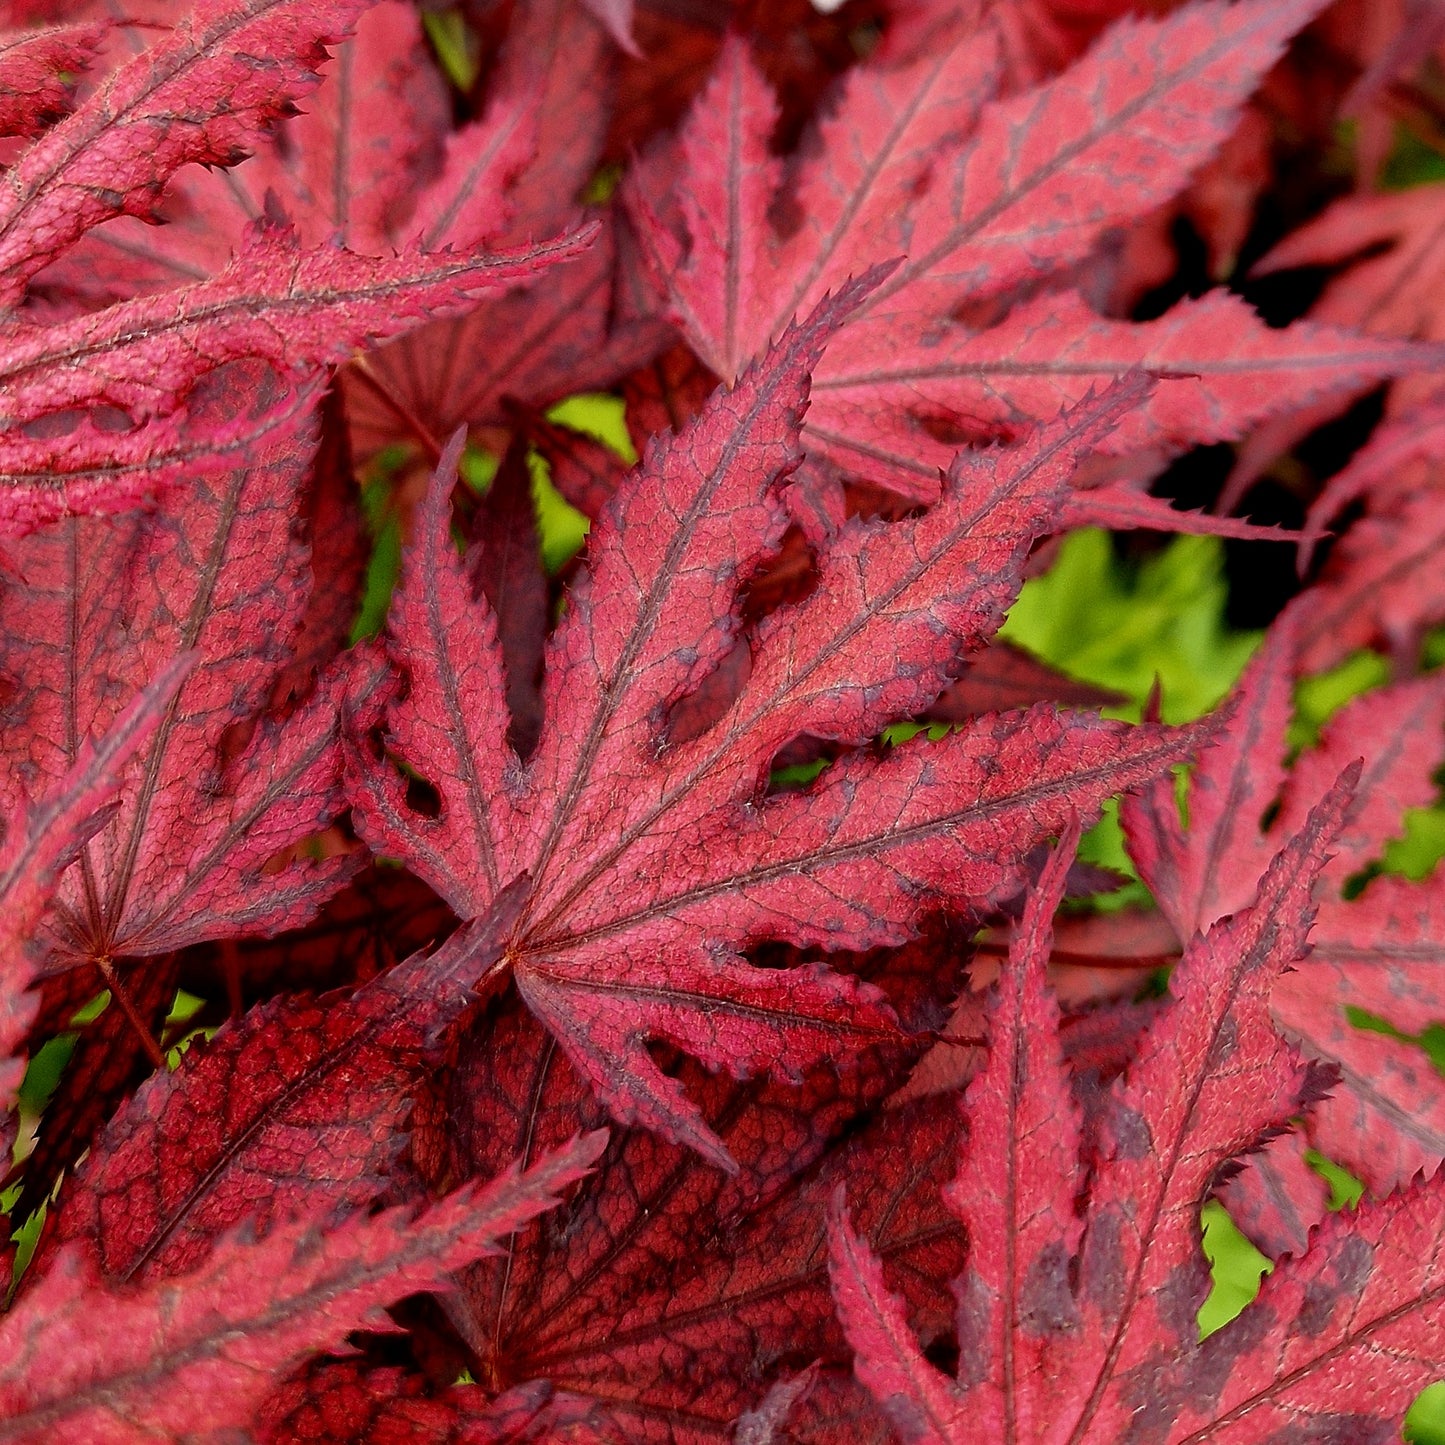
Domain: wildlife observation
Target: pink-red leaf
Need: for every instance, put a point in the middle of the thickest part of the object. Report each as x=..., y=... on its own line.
x=89, y=470
x=278, y=302
x=710, y=868
x=43, y=837
x=195, y=1363
x=1376, y=953
x=1078, y=1308
x=103, y=605
x=202, y=94
x=982, y=198
x=37, y=74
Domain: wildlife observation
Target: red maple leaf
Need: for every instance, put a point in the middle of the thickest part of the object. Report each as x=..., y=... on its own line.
x=533, y=152
x=1377, y=952
x=126, y=1362
x=648, y=865
x=105, y=607
x=1380, y=587
x=647, y=845
x=917, y=159
x=41, y=838
x=36, y=74
x=235, y=283
x=1077, y=1307
x=669, y=1297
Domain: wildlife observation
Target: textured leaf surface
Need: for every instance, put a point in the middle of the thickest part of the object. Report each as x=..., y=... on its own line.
x=516, y=174
x=980, y=198
x=1376, y=952
x=1077, y=1310
x=668, y=1295
x=43, y=837
x=712, y=866
x=201, y=94
x=216, y=1141
x=183, y=1365
x=36, y=74
x=345, y=1402
x=102, y=606
x=285, y=305
x=731, y=824
x=88, y=470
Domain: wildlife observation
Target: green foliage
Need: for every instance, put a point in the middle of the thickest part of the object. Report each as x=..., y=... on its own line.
x=562, y=526
x=1125, y=625
x=1411, y=162
x=384, y=568
x=455, y=46
x=1235, y=1265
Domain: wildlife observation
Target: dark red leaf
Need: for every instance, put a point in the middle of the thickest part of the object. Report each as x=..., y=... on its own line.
x=125, y=1360
x=202, y=94
x=1077, y=1309
x=505, y=562
x=216, y=1140
x=109, y=1060
x=42, y=837
x=100, y=608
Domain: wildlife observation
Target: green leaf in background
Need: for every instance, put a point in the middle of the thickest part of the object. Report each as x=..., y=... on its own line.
x=455, y=45
x=1235, y=1266
x=563, y=528
x=1101, y=621
x=1425, y=1424
x=383, y=570
x=1124, y=626
x=1412, y=161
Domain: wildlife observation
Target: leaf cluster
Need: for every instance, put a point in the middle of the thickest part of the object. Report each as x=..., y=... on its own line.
x=490, y=991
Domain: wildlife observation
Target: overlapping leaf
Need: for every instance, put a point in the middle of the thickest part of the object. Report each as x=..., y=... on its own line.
x=230, y=282
x=1077, y=1308
x=1380, y=588
x=1378, y=952
x=760, y=976
x=649, y=865
x=97, y=608
x=42, y=837
x=519, y=172
x=670, y=1298
x=202, y=94
x=184, y=1365
x=36, y=74
x=986, y=199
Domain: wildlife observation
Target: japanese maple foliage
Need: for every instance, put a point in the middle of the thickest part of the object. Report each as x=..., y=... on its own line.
x=1077, y=1308
x=557, y=1003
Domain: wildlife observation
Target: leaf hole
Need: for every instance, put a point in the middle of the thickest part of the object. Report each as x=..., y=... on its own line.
x=423, y=798
x=799, y=763
x=1425, y=1423
x=942, y=1353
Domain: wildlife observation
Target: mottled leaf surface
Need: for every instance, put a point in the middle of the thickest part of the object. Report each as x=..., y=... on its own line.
x=1078, y=1306
x=1375, y=952
x=712, y=864
x=96, y=608
x=181, y=1366
x=983, y=198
